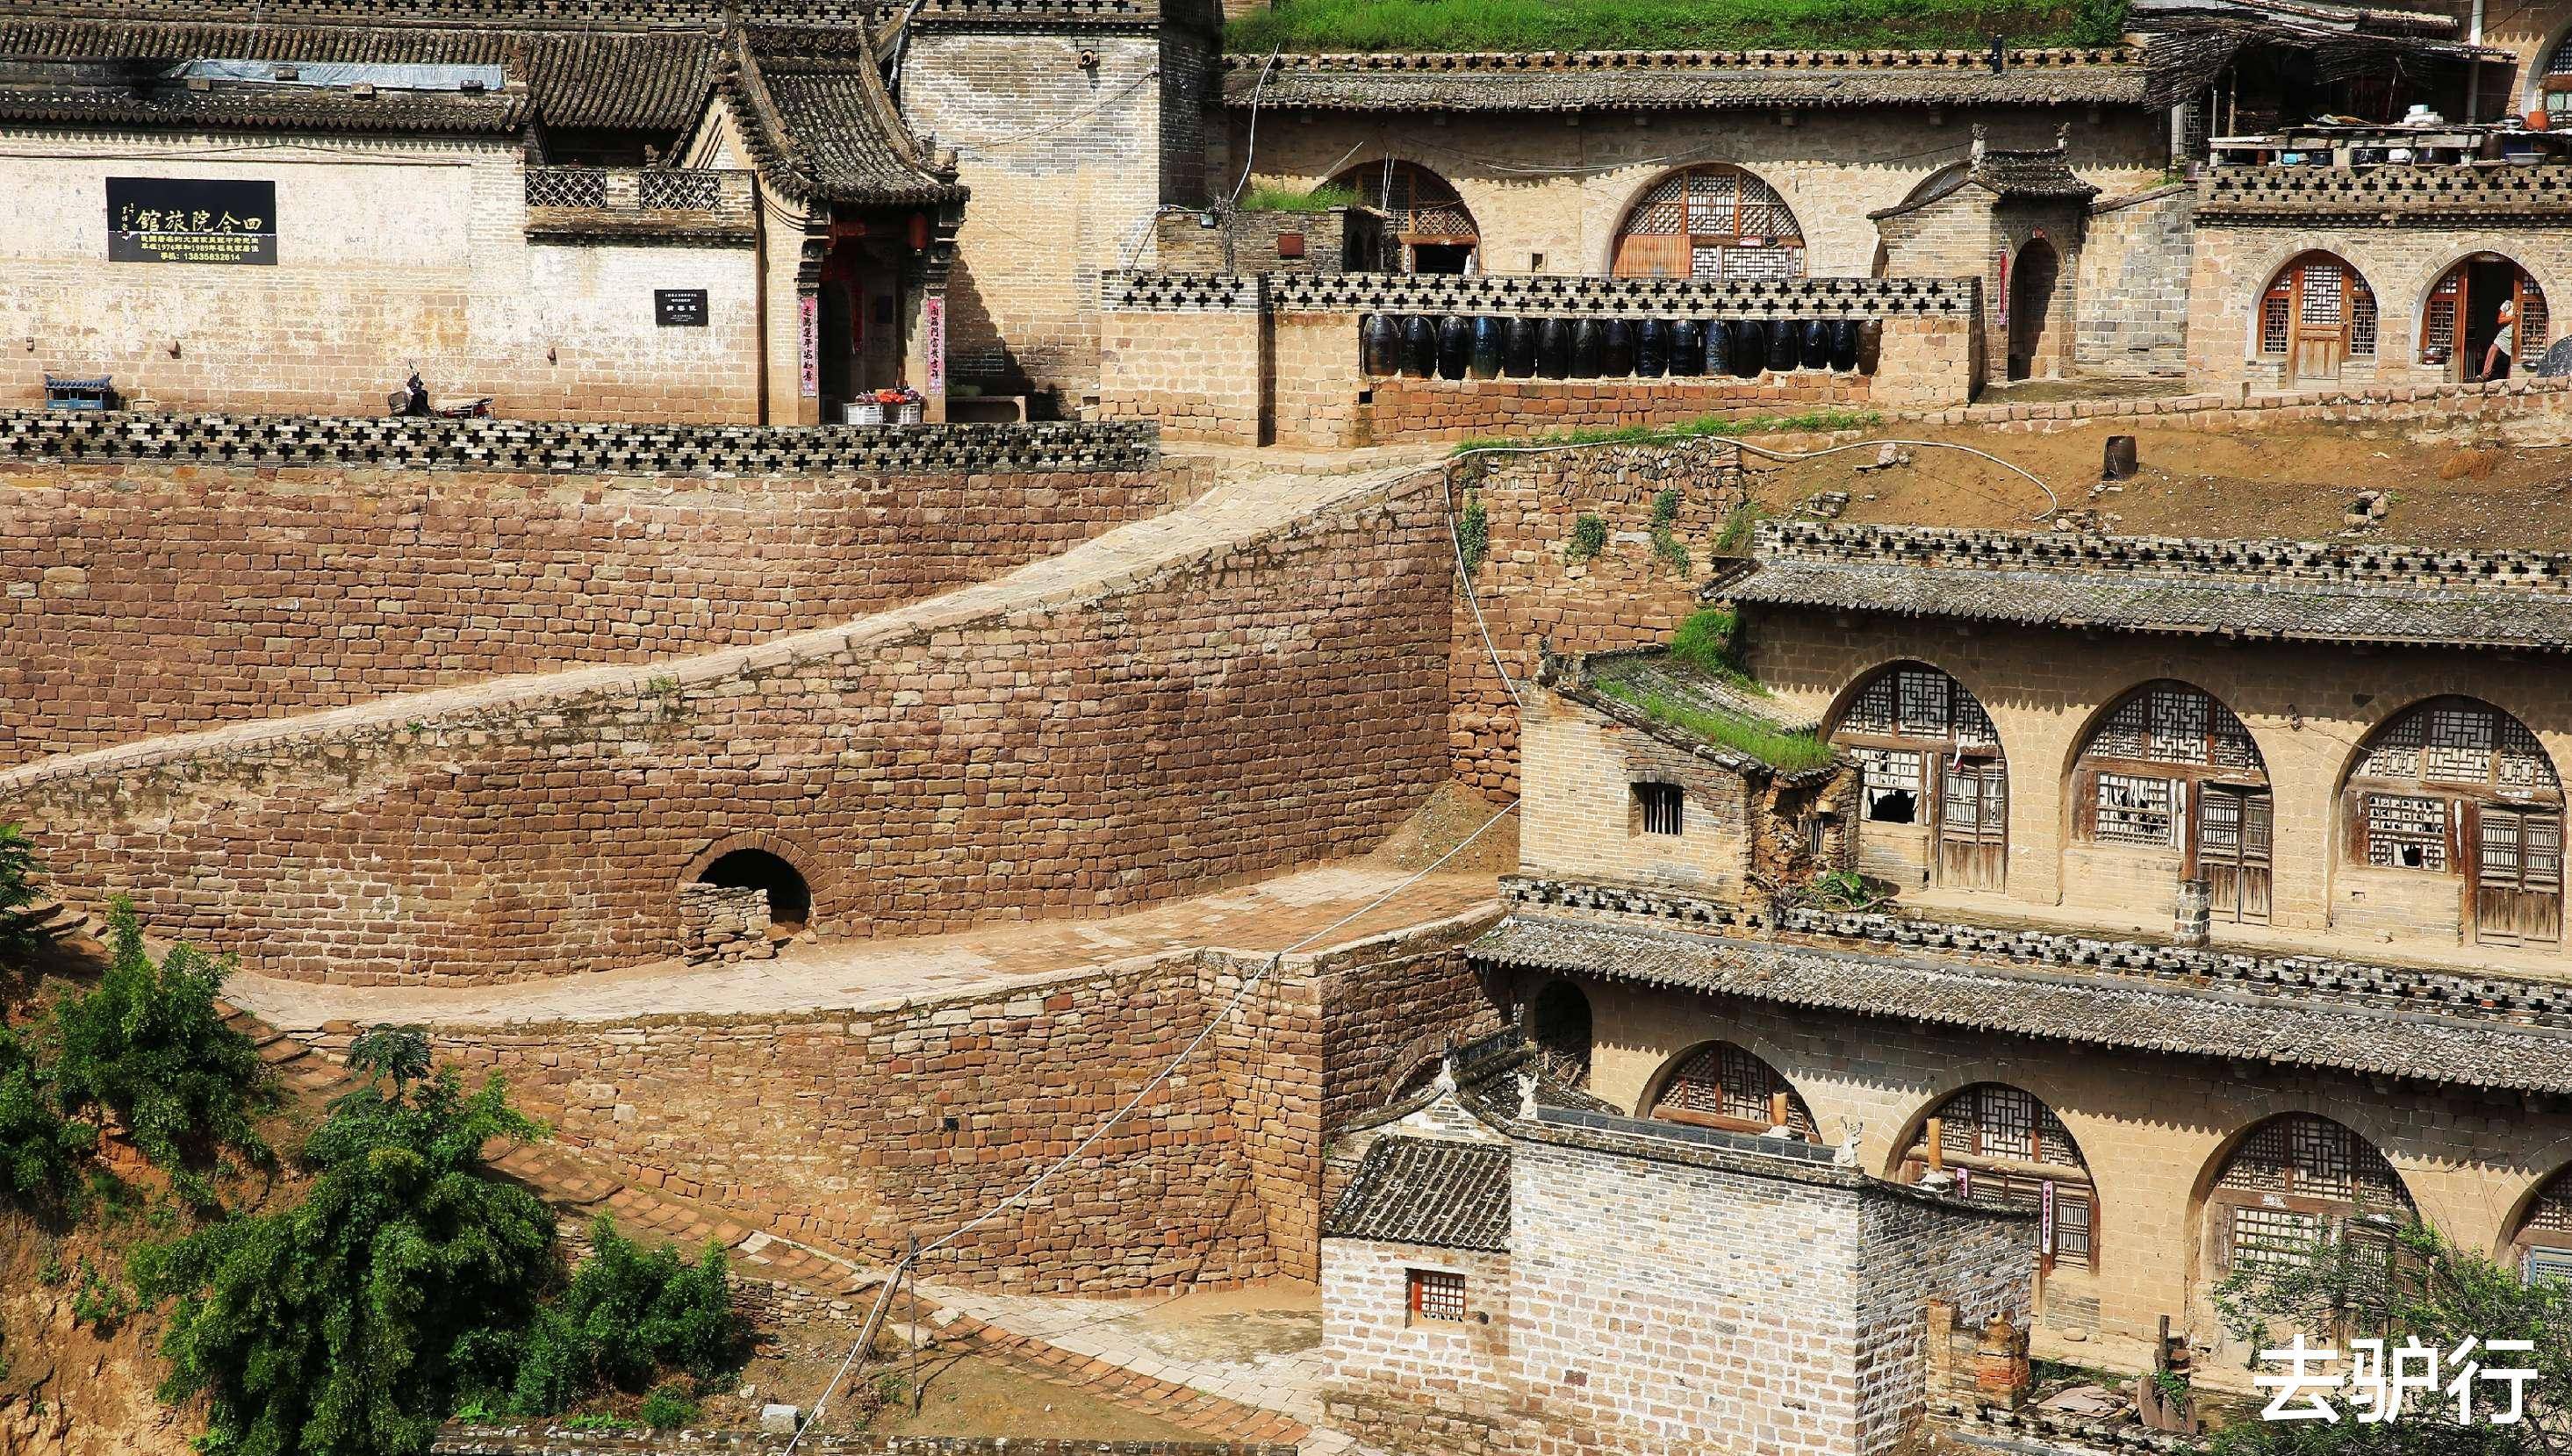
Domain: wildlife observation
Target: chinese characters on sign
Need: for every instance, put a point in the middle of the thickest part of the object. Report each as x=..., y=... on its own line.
x=2378, y=1380
x=808, y=335
x=679, y=307
x=176, y=220
x=933, y=343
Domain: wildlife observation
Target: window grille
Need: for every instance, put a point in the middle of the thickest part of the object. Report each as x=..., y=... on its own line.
x=1872, y=712
x=2361, y=318
x=2554, y=1208
x=2272, y=325
x=688, y=192
x=1437, y=1294
x=1726, y=1081
x=1660, y=806
x=2321, y=294
x=2406, y=832
x=2461, y=742
x=566, y=187
x=1926, y=709
x=2459, y=746
x=2303, y=1156
x=2071, y=1224
x=2262, y=1162
x=2005, y=1122
x=1891, y=780
x=2133, y=810
x=1734, y=225
x=1760, y=263
x=2175, y=725
x=2274, y=1239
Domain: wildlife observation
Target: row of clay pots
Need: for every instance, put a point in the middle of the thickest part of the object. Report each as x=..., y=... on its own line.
x=1487, y=346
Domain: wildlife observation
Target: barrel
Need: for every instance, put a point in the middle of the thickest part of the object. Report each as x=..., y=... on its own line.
x=1816, y=353
x=1784, y=348
x=1517, y=347
x=1455, y=345
x=1617, y=348
x=1870, y=344
x=1844, y=345
x=1588, y=348
x=1553, y=349
x=1687, y=348
x=1419, y=346
x=1719, y=348
x=1379, y=339
x=1486, y=363
x=1749, y=347
x=1652, y=349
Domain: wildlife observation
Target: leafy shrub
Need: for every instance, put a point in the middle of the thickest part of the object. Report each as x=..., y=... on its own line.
x=671, y=1404
x=1644, y=25
x=1667, y=548
x=1291, y=200
x=148, y=1045
x=628, y=1315
x=1472, y=533
x=18, y=871
x=2097, y=22
x=347, y=1323
x=40, y=1148
x=1738, y=523
x=608, y=1424
x=99, y=1300
x=1589, y=537
x=1791, y=752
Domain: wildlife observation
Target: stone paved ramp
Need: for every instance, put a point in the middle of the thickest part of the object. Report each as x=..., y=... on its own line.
x=1265, y=916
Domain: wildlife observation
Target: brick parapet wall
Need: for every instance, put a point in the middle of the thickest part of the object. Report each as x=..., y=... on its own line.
x=2343, y=563
x=1531, y=595
x=147, y=597
x=1014, y=755
x=2386, y=197
x=36, y=436
x=1406, y=410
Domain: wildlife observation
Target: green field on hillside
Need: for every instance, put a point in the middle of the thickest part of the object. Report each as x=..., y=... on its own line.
x=1569, y=25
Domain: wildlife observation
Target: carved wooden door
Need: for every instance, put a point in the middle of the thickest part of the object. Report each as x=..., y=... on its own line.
x=2322, y=321
x=2236, y=838
x=2518, y=874
x=1973, y=827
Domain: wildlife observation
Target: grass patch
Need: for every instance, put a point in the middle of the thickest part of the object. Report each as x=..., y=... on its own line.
x=1816, y=421
x=1792, y=752
x=1667, y=548
x=1288, y=200
x=1648, y=24
x=1706, y=640
x=1738, y=523
x=1589, y=537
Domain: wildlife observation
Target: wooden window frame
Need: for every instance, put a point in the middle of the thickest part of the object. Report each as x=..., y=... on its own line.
x=1661, y=808
x=1436, y=1295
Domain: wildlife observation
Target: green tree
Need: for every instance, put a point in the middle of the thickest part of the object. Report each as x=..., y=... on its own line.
x=40, y=1148
x=2421, y=1286
x=347, y=1325
x=148, y=1044
x=18, y=871
x=628, y=1314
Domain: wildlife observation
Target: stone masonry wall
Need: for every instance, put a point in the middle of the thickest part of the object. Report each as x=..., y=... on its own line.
x=1531, y=594
x=1199, y=371
x=1578, y=822
x=1252, y=706
x=1386, y=1016
x=144, y=598
x=392, y=254
x=1406, y=1384
x=2134, y=284
x=1405, y=409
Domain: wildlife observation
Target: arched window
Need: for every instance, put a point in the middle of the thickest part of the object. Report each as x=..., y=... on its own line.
x=1557, y=1022
x=1933, y=786
x=2315, y=313
x=2543, y=1247
x=1427, y=227
x=790, y=899
x=1723, y=1086
x=2554, y=87
x=2295, y=1180
x=1712, y=222
x=2171, y=772
x=2003, y=1145
x=2462, y=316
x=2456, y=787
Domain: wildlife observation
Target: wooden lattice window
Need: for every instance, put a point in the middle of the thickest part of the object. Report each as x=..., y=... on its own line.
x=2132, y=809
x=2453, y=783
x=2308, y=1157
x=1437, y=1294
x=2073, y=1238
x=1659, y=808
x=1890, y=781
x=2272, y=1239
x=2405, y=831
x=1729, y=1086
x=2175, y=724
x=1715, y=222
x=2317, y=292
x=2454, y=297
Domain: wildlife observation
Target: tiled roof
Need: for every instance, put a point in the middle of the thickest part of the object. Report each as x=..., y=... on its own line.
x=2280, y=1028
x=817, y=117
x=226, y=105
x=2044, y=173
x=1683, y=80
x=1444, y=1194
x=1619, y=685
x=2292, y=590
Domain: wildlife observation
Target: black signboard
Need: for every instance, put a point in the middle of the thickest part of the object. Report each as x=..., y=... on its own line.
x=180, y=220
x=679, y=307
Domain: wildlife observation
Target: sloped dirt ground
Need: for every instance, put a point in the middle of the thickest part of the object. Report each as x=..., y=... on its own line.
x=2468, y=485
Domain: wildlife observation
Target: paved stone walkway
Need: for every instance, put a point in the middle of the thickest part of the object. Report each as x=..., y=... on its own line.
x=848, y=975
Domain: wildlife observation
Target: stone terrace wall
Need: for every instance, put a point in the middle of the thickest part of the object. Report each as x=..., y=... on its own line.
x=1531, y=594
x=143, y=598
x=1250, y=703
x=548, y=1440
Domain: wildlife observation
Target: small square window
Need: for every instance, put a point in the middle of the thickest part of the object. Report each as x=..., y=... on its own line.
x=1437, y=1294
x=1657, y=807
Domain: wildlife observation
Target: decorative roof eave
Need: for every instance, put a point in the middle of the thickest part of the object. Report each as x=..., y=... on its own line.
x=1430, y=1192
x=788, y=165
x=1683, y=80
x=2109, y=1011
x=324, y=114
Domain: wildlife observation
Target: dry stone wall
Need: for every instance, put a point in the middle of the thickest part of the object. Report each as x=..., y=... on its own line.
x=143, y=598
x=1248, y=706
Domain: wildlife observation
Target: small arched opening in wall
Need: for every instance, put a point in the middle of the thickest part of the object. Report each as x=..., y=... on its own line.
x=1933, y=796
x=1427, y=229
x=2034, y=277
x=2287, y=1185
x=1730, y=1087
x=2453, y=816
x=790, y=898
x=2002, y=1144
x=2169, y=777
x=2462, y=316
x=2313, y=317
x=2538, y=1241
x=1714, y=220
x=1557, y=1021
x=778, y=870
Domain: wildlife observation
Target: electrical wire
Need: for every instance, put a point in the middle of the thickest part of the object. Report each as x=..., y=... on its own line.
x=1250, y=142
